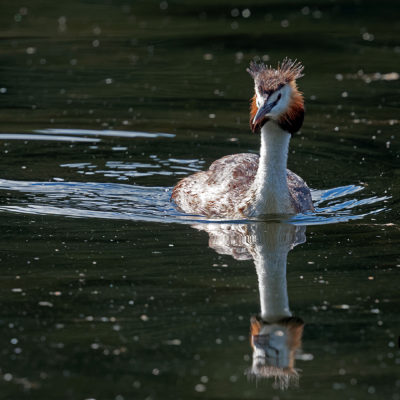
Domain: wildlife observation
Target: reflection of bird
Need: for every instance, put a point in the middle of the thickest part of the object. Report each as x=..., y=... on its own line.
x=244, y=185
x=276, y=334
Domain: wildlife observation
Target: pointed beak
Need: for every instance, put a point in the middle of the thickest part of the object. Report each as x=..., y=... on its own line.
x=262, y=112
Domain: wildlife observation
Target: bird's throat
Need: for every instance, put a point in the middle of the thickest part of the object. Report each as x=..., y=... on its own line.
x=270, y=184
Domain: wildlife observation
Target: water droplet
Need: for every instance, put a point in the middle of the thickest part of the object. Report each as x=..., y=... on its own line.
x=305, y=10
x=7, y=377
x=284, y=23
x=246, y=13
x=200, y=388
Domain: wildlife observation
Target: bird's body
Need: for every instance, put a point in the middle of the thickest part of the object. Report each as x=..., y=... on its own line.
x=227, y=189
x=247, y=185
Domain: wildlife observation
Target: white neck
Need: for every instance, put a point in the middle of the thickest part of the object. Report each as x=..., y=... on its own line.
x=272, y=286
x=270, y=257
x=270, y=184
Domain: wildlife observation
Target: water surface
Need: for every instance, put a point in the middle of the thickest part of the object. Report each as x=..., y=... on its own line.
x=107, y=291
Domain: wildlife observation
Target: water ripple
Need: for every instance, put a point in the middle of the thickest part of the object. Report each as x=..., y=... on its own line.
x=125, y=170
x=109, y=133
x=57, y=138
x=78, y=135
x=141, y=203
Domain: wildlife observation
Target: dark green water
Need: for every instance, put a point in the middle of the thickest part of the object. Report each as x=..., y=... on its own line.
x=106, y=291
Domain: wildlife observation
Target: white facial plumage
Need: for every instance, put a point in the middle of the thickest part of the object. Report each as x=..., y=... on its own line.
x=281, y=97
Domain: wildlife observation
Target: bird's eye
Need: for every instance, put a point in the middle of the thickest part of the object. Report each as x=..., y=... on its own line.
x=279, y=97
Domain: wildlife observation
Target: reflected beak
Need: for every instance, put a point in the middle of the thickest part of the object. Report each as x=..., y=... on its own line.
x=262, y=112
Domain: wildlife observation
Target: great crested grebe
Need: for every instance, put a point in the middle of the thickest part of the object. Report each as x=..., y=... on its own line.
x=246, y=185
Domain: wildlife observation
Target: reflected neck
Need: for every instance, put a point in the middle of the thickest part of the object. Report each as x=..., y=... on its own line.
x=272, y=285
x=270, y=258
x=272, y=192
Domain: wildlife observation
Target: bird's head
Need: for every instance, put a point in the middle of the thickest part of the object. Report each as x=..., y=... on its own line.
x=276, y=95
x=274, y=348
